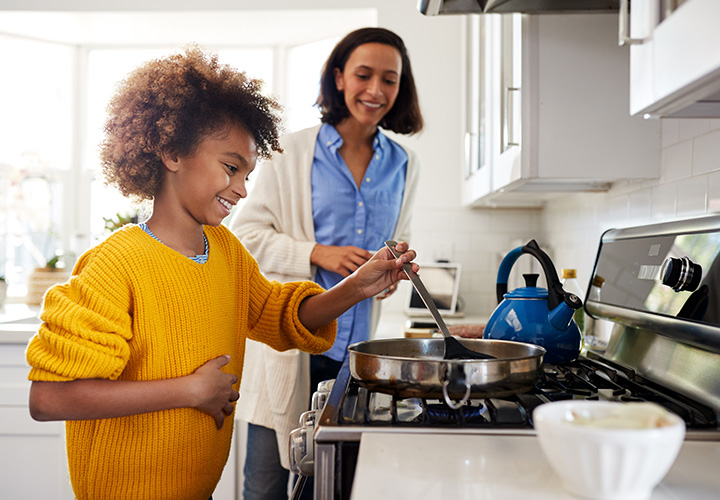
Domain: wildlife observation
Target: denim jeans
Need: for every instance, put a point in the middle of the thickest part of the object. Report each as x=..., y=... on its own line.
x=265, y=478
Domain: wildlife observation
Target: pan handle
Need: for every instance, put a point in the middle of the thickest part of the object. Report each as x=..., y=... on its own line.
x=449, y=402
x=456, y=377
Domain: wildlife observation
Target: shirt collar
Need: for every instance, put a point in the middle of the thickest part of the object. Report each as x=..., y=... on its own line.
x=380, y=141
x=331, y=139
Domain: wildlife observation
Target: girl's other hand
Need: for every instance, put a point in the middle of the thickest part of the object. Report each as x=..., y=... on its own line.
x=213, y=389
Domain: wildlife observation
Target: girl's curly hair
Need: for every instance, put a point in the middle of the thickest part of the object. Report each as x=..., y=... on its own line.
x=170, y=105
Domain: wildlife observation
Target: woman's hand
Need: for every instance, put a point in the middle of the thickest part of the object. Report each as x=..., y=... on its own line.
x=213, y=389
x=342, y=260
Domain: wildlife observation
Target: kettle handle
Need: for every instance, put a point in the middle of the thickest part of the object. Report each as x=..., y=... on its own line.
x=501, y=288
x=556, y=294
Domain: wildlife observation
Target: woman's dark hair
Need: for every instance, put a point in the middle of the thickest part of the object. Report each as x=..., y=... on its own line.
x=404, y=117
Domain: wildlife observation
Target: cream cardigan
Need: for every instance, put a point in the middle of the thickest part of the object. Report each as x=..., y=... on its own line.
x=276, y=226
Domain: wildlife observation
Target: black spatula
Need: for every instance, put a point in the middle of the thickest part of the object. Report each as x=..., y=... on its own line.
x=453, y=348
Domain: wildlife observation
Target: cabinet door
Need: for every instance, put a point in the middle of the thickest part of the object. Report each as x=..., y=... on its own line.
x=557, y=93
x=643, y=19
x=476, y=112
x=510, y=49
x=507, y=36
x=675, y=61
x=33, y=461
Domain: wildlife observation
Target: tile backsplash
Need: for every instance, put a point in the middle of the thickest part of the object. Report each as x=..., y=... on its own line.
x=569, y=228
x=478, y=240
x=689, y=186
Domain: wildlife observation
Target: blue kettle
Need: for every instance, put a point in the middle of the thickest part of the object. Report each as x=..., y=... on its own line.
x=535, y=315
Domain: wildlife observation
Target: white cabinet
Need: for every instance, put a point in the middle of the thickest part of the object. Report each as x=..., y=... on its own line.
x=477, y=110
x=33, y=462
x=548, y=112
x=675, y=59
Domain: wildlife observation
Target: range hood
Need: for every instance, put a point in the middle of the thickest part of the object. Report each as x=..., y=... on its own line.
x=445, y=7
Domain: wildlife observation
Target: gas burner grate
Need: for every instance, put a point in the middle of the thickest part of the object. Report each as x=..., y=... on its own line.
x=581, y=379
x=440, y=413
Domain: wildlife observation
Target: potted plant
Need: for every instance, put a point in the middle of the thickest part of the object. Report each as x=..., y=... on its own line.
x=3, y=290
x=42, y=278
x=120, y=219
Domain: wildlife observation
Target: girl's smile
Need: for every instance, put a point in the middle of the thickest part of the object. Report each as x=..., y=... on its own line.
x=226, y=204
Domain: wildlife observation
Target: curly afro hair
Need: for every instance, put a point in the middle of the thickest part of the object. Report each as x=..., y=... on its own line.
x=170, y=105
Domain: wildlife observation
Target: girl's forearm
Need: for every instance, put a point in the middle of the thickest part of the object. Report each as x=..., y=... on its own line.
x=319, y=310
x=96, y=398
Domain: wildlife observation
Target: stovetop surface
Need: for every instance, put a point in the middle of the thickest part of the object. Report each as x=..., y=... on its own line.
x=355, y=409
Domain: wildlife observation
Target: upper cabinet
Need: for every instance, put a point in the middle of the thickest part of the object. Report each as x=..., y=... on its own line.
x=546, y=110
x=675, y=57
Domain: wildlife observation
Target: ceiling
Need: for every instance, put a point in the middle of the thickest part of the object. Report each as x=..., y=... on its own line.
x=218, y=27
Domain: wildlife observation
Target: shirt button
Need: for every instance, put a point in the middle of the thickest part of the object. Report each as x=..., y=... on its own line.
x=359, y=231
x=367, y=179
x=329, y=142
x=377, y=157
x=360, y=204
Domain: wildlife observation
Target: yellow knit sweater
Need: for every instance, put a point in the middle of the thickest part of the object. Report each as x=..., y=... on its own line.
x=137, y=310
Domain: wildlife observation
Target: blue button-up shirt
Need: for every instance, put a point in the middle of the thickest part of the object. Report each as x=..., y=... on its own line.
x=364, y=217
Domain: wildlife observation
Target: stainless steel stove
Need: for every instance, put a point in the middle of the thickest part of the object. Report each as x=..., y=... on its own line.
x=660, y=295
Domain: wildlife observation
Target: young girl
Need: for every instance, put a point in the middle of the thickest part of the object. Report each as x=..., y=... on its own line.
x=142, y=350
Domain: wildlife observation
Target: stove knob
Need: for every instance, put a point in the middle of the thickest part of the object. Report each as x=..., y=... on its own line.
x=308, y=418
x=318, y=400
x=681, y=274
x=301, y=452
x=326, y=385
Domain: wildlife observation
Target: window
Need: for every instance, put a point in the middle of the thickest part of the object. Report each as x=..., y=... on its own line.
x=52, y=193
x=36, y=157
x=304, y=65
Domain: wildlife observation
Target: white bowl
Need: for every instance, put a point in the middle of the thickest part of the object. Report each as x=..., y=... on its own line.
x=606, y=450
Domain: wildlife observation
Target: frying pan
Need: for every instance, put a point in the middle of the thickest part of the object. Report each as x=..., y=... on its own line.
x=415, y=368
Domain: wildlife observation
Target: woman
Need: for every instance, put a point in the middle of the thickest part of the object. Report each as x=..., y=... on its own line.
x=337, y=193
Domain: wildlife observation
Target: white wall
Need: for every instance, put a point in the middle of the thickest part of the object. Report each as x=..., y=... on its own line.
x=689, y=186
x=568, y=229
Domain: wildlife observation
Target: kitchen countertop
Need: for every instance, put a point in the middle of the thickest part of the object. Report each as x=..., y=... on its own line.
x=492, y=467
x=392, y=324
x=18, y=323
